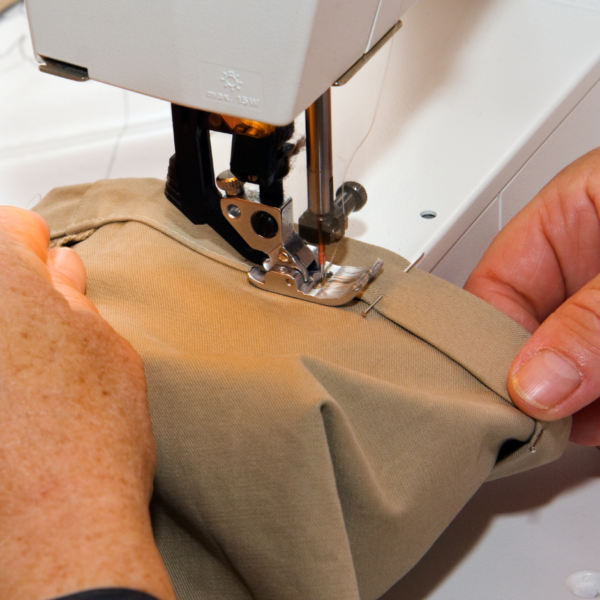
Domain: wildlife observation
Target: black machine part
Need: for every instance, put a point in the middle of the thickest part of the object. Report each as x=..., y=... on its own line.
x=191, y=187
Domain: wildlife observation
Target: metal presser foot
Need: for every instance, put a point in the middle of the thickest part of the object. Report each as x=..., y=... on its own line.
x=342, y=284
x=292, y=267
x=257, y=221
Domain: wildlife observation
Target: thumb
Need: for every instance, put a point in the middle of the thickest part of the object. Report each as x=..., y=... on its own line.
x=68, y=276
x=556, y=373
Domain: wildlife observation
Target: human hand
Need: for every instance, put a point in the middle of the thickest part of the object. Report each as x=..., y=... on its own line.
x=76, y=449
x=542, y=270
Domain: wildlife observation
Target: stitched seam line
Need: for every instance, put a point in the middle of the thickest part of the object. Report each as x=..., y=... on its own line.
x=174, y=234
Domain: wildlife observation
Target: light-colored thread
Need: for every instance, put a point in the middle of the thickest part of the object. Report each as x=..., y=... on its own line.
x=113, y=157
x=37, y=197
x=360, y=145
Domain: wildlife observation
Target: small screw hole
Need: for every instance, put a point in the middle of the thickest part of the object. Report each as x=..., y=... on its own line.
x=233, y=211
x=429, y=214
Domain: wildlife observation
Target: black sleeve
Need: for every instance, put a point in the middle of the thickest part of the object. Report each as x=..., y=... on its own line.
x=108, y=594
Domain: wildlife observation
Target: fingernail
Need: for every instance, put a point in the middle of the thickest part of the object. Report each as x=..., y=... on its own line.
x=546, y=379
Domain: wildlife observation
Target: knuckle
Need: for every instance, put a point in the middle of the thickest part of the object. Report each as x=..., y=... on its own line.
x=580, y=316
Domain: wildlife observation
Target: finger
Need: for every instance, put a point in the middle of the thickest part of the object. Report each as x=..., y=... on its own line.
x=502, y=294
x=26, y=228
x=548, y=251
x=77, y=301
x=67, y=262
x=68, y=276
x=556, y=373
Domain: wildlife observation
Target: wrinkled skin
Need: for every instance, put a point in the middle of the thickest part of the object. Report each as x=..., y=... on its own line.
x=76, y=449
x=543, y=271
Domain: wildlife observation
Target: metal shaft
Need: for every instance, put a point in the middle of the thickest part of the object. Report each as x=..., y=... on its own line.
x=319, y=155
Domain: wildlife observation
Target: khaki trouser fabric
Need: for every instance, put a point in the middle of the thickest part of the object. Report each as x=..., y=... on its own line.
x=4, y=4
x=303, y=451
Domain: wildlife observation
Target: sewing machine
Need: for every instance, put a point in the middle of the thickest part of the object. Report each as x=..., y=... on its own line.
x=248, y=70
x=470, y=109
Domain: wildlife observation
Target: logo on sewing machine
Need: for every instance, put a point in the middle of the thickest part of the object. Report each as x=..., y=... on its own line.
x=231, y=86
x=232, y=80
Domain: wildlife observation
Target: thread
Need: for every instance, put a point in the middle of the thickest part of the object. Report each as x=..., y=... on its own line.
x=113, y=156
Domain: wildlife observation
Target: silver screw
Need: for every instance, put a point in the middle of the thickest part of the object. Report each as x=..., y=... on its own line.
x=234, y=211
x=228, y=182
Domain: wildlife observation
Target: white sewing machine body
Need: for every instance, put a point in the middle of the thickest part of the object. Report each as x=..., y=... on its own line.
x=265, y=61
x=481, y=103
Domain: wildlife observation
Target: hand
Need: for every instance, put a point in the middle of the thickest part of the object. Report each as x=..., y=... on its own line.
x=76, y=449
x=542, y=270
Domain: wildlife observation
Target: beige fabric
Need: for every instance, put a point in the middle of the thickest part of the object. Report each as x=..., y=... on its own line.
x=304, y=451
x=4, y=4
